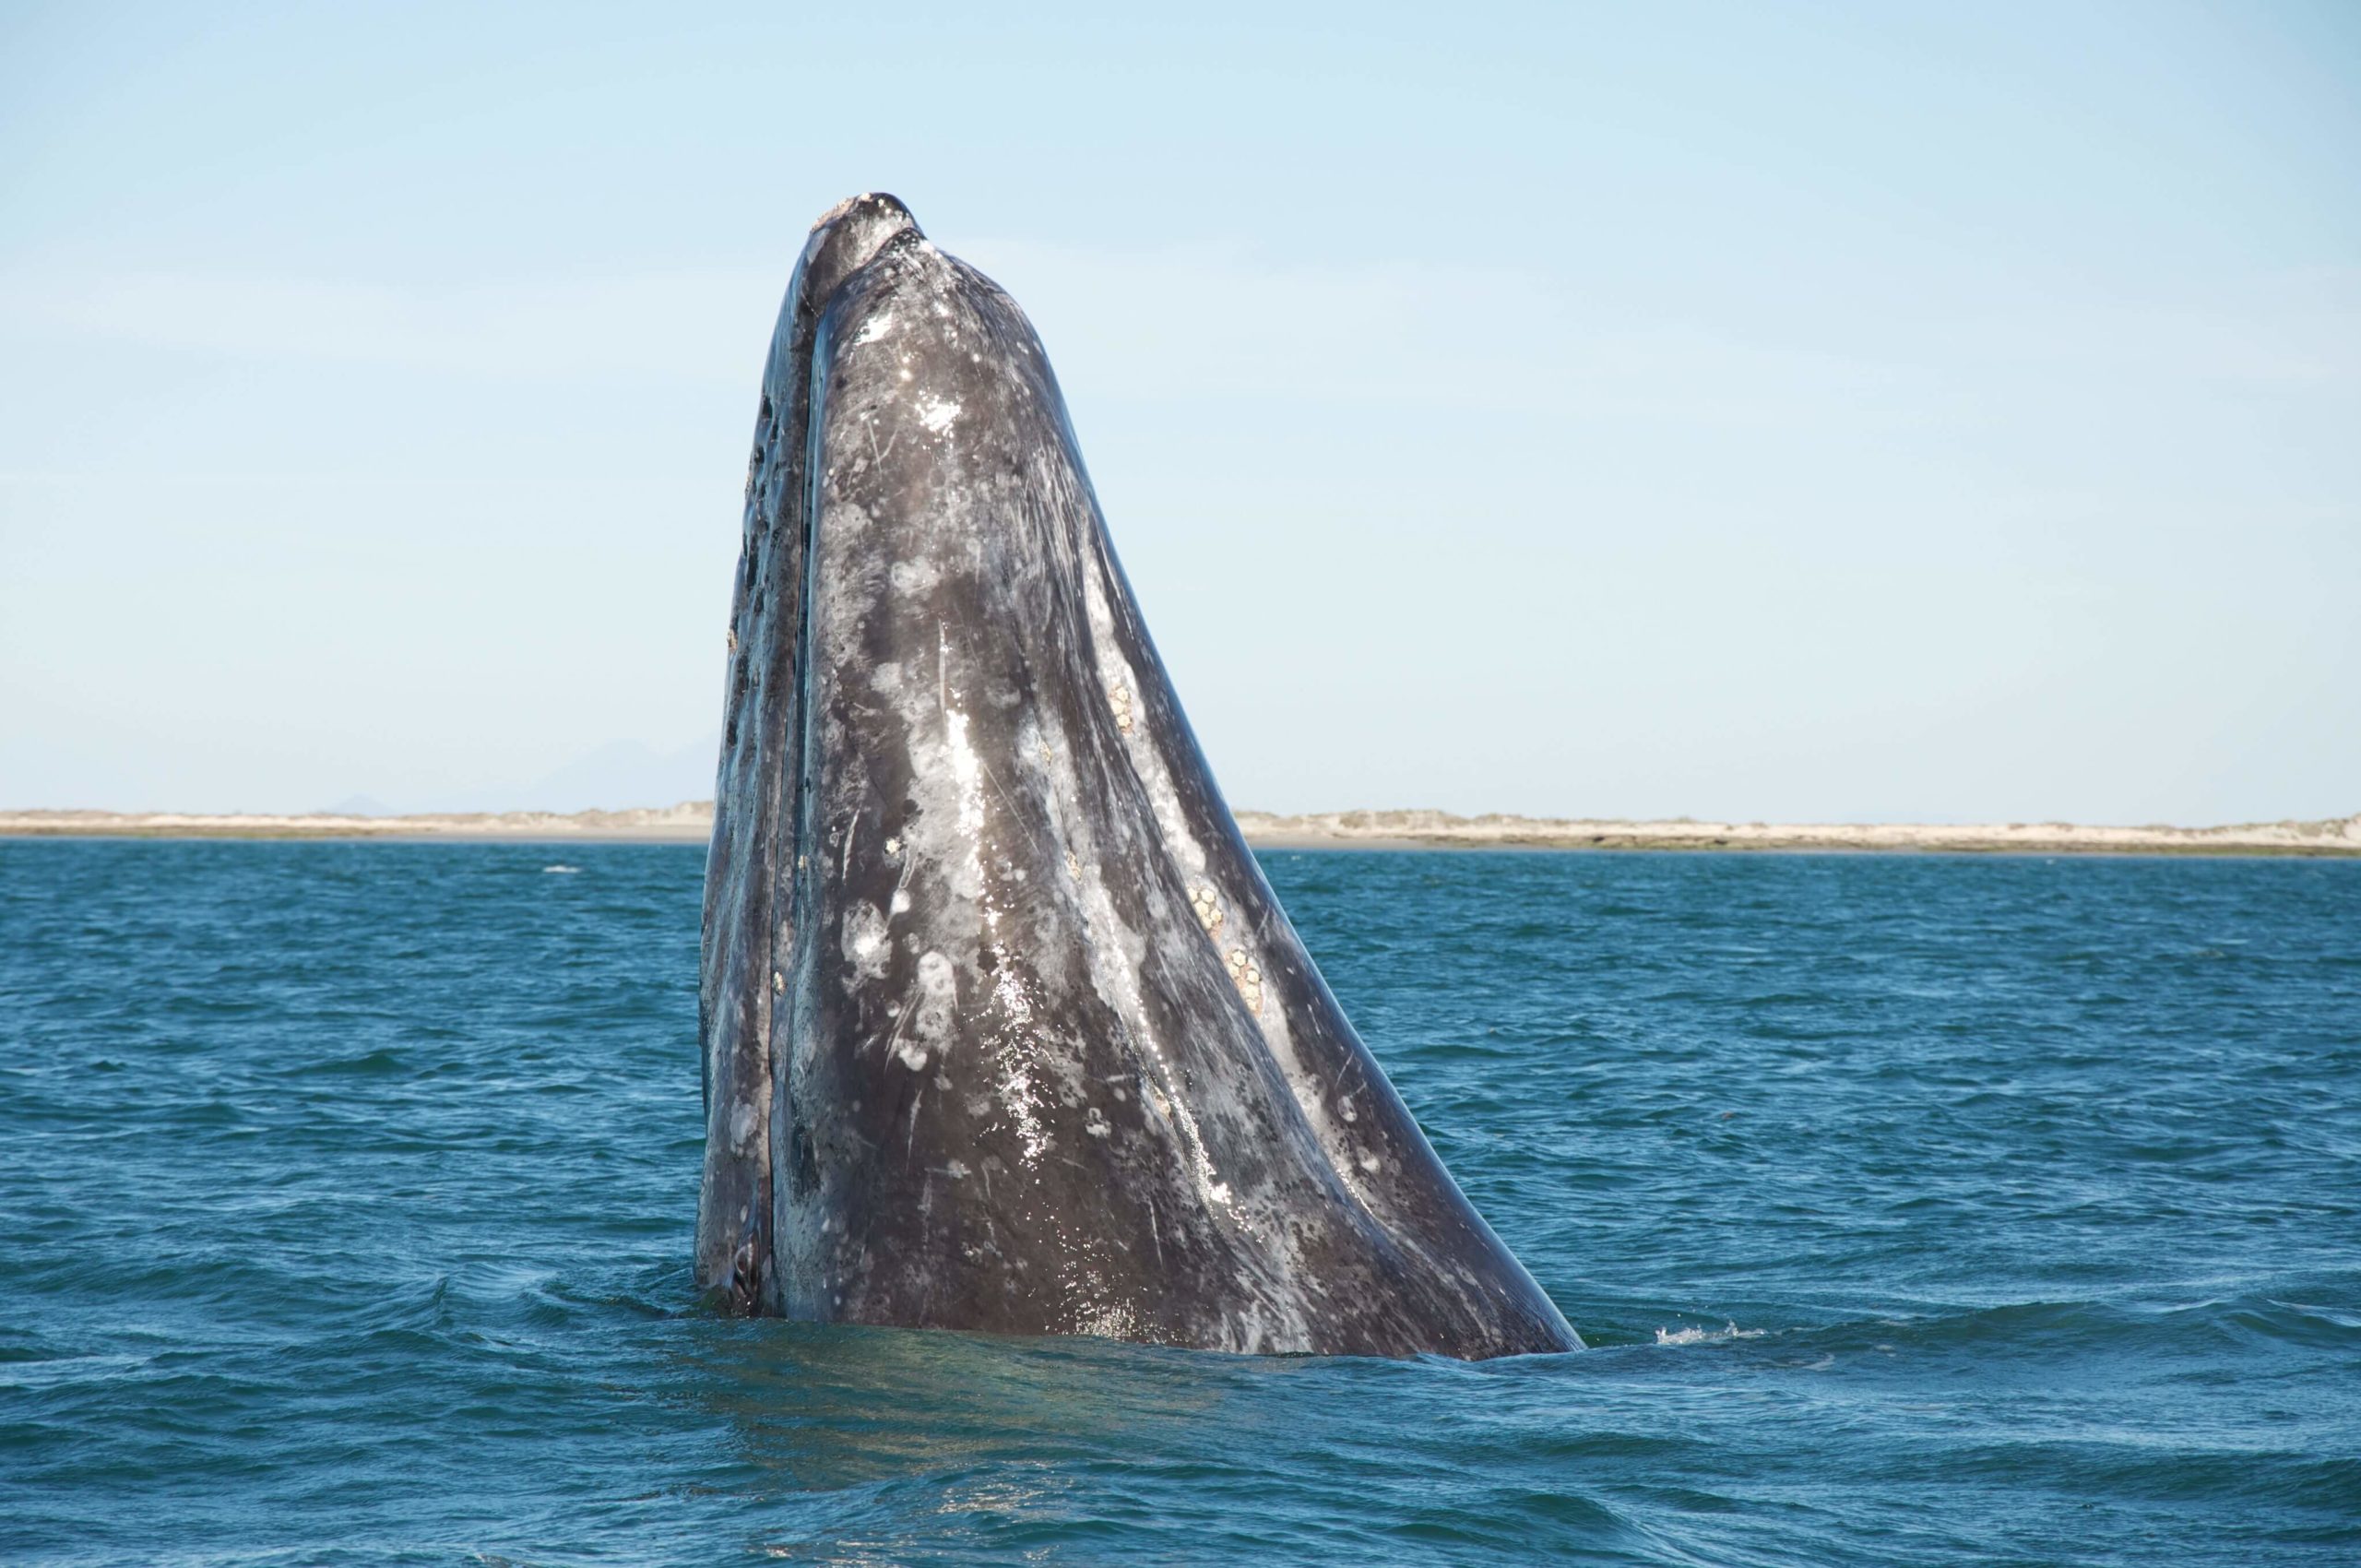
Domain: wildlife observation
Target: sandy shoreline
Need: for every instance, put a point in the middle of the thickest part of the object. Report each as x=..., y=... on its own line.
x=2335, y=835
x=691, y=822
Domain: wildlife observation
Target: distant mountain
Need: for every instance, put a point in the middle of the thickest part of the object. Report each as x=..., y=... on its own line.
x=622, y=774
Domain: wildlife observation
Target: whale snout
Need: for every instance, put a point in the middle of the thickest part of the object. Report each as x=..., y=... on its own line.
x=845, y=239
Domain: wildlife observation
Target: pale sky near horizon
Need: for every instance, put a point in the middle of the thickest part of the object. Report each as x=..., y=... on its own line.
x=1828, y=412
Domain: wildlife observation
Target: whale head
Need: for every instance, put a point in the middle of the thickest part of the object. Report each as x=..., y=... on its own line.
x=1003, y=1028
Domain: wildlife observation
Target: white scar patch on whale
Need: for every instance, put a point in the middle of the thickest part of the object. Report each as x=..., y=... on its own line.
x=1020, y=1094
x=865, y=946
x=930, y=1022
x=938, y=414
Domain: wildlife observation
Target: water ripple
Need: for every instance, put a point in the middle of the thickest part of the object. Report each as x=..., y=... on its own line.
x=1920, y=1211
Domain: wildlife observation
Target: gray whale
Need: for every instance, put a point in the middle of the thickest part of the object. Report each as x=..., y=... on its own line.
x=1004, y=1029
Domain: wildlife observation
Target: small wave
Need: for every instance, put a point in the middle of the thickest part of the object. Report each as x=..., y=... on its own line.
x=69, y=1369
x=560, y=871
x=1706, y=1335
x=368, y=1064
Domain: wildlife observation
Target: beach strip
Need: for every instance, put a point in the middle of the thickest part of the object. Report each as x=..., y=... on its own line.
x=691, y=822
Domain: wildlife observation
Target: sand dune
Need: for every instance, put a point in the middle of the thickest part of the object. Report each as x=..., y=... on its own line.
x=691, y=821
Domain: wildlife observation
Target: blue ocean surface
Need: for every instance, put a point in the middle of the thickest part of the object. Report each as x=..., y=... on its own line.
x=1917, y=1210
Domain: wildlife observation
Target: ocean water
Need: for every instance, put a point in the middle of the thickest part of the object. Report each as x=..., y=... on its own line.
x=1917, y=1210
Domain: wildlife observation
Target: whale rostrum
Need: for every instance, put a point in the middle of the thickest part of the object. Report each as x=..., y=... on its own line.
x=1004, y=1029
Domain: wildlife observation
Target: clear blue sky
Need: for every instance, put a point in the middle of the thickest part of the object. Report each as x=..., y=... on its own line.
x=1789, y=412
